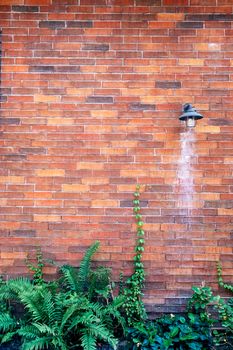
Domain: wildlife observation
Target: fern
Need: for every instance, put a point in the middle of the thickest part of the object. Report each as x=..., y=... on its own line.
x=36, y=344
x=78, y=314
x=84, y=269
x=7, y=337
x=7, y=322
x=70, y=279
x=81, y=280
x=87, y=341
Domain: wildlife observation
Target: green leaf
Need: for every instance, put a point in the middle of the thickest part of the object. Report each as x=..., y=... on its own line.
x=174, y=332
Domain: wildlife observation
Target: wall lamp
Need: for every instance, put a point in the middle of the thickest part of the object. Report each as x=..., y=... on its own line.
x=190, y=115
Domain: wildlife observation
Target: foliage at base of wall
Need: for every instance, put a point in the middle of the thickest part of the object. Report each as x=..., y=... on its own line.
x=76, y=311
x=80, y=310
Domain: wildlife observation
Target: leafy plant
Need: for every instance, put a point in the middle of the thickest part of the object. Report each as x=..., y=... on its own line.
x=221, y=283
x=199, y=304
x=64, y=315
x=37, y=269
x=224, y=336
x=179, y=332
x=133, y=305
x=94, y=283
x=171, y=332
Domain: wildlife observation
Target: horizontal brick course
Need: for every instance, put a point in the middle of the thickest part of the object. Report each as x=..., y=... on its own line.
x=90, y=102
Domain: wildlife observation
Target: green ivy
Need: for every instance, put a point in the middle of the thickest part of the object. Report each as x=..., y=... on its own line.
x=221, y=283
x=224, y=337
x=37, y=269
x=133, y=305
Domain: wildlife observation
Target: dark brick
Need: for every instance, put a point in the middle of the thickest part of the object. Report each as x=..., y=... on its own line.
x=3, y=99
x=142, y=107
x=96, y=47
x=99, y=99
x=77, y=249
x=9, y=121
x=17, y=8
x=33, y=150
x=148, y=2
x=70, y=69
x=4, y=233
x=216, y=77
x=190, y=25
x=139, y=137
x=41, y=69
x=212, y=17
x=227, y=204
x=23, y=233
x=79, y=24
x=157, y=54
x=129, y=204
x=52, y=24
x=5, y=91
x=159, y=188
x=14, y=157
x=168, y=84
x=220, y=121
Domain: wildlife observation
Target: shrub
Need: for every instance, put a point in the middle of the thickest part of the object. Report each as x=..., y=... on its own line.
x=71, y=312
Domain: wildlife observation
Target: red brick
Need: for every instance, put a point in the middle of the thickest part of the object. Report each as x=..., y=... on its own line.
x=85, y=117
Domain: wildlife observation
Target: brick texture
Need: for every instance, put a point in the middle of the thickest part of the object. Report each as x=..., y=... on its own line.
x=91, y=92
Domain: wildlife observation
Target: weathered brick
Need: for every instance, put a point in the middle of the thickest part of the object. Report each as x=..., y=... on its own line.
x=96, y=47
x=52, y=24
x=23, y=233
x=79, y=24
x=21, y=8
x=99, y=99
x=210, y=17
x=41, y=69
x=142, y=107
x=192, y=25
x=9, y=121
x=168, y=84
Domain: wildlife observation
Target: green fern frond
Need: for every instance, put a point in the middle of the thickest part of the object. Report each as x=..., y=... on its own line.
x=53, y=313
x=88, y=342
x=13, y=287
x=70, y=278
x=28, y=332
x=44, y=329
x=7, y=337
x=99, y=331
x=33, y=302
x=7, y=322
x=36, y=344
x=84, y=269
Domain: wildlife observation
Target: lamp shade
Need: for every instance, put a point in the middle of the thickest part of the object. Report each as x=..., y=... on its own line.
x=190, y=112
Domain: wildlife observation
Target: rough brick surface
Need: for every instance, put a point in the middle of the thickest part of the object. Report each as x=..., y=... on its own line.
x=91, y=92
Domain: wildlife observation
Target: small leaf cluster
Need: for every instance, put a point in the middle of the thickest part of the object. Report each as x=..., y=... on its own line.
x=221, y=283
x=37, y=269
x=133, y=306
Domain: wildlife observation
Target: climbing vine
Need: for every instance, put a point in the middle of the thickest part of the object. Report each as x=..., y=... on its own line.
x=134, y=306
x=221, y=283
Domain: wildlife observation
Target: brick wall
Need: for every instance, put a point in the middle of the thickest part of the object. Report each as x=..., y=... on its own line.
x=91, y=93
